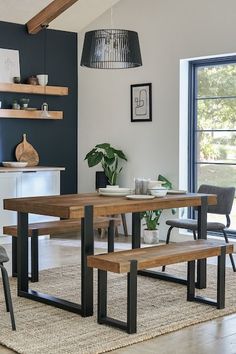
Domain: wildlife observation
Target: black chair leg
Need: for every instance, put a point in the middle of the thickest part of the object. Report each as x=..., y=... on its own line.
x=230, y=255
x=7, y=294
x=167, y=241
x=124, y=223
x=4, y=288
x=194, y=235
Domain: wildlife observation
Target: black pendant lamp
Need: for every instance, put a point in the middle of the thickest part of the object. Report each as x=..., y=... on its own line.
x=111, y=49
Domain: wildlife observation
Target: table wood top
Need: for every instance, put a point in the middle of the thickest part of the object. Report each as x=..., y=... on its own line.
x=72, y=205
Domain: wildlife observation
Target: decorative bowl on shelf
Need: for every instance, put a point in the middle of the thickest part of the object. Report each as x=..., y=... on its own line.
x=14, y=164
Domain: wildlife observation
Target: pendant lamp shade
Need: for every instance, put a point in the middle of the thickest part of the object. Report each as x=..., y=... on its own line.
x=111, y=49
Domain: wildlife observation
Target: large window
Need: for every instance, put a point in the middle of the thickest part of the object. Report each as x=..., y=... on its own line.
x=212, y=132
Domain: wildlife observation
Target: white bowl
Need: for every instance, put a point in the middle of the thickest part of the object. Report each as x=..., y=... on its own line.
x=14, y=164
x=158, y=192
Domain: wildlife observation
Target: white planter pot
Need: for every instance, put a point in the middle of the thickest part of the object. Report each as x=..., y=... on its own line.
x=150, y=236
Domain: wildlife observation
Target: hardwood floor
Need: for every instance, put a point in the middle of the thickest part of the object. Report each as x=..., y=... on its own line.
x=217, y=336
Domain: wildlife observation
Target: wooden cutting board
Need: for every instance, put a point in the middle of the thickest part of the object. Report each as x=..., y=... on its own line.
x=25, y=152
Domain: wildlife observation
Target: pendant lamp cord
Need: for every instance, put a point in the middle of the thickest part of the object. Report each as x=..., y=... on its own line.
x=44, y=55
x=111, y=17
x=44, y=107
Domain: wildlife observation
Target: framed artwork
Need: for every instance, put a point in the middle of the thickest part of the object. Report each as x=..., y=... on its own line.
x=141, y=102
x=9, y=64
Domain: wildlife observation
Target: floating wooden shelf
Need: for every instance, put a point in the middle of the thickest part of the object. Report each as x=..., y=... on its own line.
x=34, y=89
x=24, y=114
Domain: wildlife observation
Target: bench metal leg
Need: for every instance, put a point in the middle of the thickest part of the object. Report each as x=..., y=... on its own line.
x=102, y=295
x=7, y=293
x=131, y=325
x=132, y=298
x=220, y=302
x=14, y=256
x=191, y=281
x=34, y=257
x=221, y=279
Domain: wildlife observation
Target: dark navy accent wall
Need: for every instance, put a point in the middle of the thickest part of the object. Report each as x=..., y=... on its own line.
x=54, y=140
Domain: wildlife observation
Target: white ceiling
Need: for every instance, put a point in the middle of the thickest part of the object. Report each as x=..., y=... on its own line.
x=74, y=19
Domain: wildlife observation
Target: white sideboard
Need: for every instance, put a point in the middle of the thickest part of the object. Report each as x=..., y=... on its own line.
x=27, y=182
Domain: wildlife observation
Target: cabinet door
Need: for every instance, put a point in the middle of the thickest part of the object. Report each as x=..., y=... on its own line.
x=40, y=183
x=8, y=189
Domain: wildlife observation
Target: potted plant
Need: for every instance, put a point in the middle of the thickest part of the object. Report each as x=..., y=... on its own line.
x=151, y=233
x=109, y=157
x=151, y=218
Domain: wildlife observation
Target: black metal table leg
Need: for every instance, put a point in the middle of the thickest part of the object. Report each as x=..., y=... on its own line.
x=111, y=235
x=136, y=230
x=202, y=234
x=22, y=253
x=87, y=248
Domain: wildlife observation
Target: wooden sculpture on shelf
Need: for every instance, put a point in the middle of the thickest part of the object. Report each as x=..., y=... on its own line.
x=26, y=153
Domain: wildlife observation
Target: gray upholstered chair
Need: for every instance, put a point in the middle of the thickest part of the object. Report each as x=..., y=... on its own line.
x=6, y=286
x=225, y=198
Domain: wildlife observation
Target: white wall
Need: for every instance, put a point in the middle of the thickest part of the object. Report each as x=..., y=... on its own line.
x=169, y=30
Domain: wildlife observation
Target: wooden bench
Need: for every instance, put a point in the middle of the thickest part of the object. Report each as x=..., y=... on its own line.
x=55, y=228
x=133, y=260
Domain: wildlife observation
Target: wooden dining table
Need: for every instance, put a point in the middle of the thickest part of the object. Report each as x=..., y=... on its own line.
x=85, y=207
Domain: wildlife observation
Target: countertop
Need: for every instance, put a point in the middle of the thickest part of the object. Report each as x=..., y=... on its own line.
x=30, y=169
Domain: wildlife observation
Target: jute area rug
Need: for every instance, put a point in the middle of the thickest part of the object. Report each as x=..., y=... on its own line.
x=162, y=308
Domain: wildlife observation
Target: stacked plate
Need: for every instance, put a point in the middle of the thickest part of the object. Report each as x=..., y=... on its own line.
x=114, y=192
x=14, y=164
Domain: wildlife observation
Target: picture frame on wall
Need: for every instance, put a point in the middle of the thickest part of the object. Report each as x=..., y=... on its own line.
x=9, y=64
x=141, y=102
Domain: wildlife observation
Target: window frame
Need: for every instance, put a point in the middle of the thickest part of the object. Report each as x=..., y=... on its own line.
x=192, y=122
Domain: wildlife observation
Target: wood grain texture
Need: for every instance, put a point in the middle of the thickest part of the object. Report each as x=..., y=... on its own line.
x=49, y=13
x=60, y=226
x=34, y=89
x=24, y=114
x=72, y=205
x=150, y=257
x=26, y=153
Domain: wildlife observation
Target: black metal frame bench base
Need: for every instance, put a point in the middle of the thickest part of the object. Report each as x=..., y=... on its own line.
x=131, y=325
x=34, y=243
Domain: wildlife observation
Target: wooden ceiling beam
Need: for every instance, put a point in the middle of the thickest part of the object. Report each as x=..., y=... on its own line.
x=48, y=14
